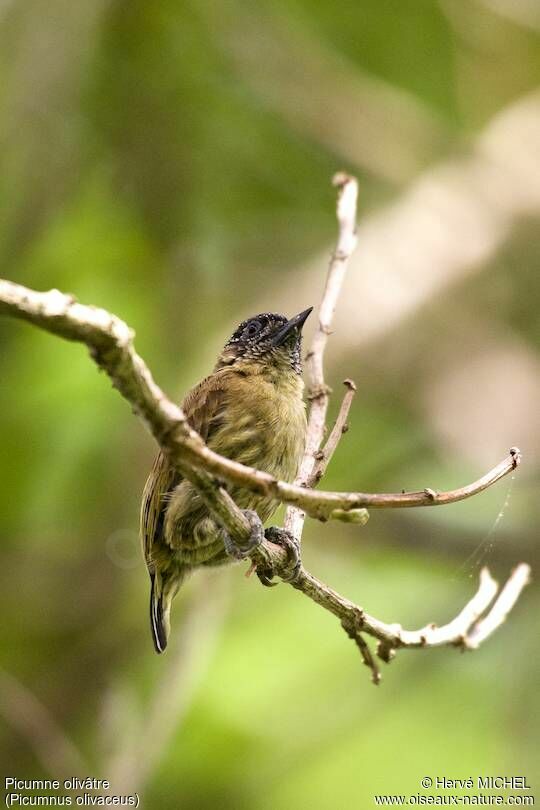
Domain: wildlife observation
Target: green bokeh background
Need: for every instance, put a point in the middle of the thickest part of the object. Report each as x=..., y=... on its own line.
x=171, y=163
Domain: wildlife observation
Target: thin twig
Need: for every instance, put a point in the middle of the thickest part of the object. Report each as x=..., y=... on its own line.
x=353, y=631
x=324, y=456
x=323, y=505
x=318, y=392
x=506, y=600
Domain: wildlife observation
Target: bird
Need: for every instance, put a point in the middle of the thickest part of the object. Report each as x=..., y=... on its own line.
x=250, y=409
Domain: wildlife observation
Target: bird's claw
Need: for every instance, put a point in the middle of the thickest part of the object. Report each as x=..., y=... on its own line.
x=285, y=539
x=257, y=536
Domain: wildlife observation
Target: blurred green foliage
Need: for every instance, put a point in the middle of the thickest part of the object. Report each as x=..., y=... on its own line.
x=164, y=161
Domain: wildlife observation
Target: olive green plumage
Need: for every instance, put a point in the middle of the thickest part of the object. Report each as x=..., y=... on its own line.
x=251, y=410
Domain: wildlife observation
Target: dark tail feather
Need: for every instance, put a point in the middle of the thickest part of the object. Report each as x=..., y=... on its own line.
x=163, y=589
x=159, y=633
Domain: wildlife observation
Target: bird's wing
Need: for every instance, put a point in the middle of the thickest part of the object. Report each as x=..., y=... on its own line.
x=203, y=406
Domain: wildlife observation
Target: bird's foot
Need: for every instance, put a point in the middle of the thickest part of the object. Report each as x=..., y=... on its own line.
x=285, y=539
x=257, y=536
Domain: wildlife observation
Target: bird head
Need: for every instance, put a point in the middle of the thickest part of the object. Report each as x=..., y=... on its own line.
x=267, y=339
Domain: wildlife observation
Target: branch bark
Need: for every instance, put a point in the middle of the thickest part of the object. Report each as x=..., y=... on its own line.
x=110, y=342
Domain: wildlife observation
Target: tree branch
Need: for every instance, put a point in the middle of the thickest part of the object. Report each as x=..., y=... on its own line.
x=467, y=631
x=110, y=342
x=318, y=392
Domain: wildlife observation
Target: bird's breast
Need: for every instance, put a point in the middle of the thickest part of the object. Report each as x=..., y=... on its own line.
x=264, y=425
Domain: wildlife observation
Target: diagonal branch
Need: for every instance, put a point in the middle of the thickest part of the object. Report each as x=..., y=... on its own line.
x=324, y=456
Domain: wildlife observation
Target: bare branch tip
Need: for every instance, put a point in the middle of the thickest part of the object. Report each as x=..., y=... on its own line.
x=486, y=577
x=515, y=453
x=341, y=179
x=522, y=571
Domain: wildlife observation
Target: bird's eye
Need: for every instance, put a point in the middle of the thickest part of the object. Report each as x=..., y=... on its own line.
x=253, y=328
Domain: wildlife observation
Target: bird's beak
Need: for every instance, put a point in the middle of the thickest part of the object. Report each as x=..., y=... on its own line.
x=295, y=324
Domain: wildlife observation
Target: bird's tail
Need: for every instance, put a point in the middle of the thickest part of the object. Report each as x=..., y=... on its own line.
x=163, y=589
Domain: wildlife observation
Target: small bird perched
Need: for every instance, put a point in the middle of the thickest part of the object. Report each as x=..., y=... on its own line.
x=251, y=410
